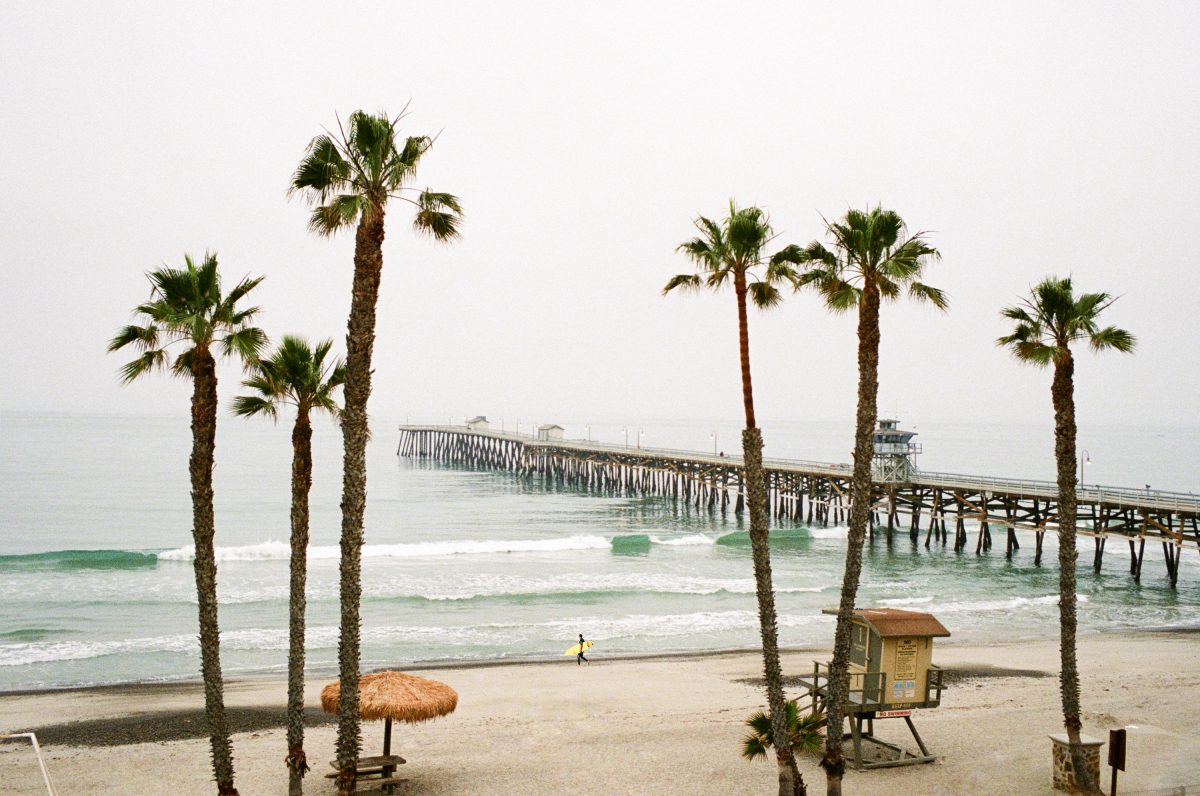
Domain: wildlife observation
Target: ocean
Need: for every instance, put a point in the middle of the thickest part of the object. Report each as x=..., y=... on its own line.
x=96, y=581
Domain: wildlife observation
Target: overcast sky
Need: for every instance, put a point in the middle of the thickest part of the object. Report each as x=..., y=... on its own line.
x=1029, y=138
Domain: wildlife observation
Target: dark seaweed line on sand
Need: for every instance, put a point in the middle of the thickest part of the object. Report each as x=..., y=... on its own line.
x=167, y=725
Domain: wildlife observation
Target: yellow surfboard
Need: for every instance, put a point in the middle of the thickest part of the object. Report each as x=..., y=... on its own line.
x=587, y=645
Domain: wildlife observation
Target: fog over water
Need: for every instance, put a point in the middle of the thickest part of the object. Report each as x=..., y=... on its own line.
x=1028, y=138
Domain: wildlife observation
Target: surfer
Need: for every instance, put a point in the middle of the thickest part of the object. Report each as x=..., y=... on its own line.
x=579, y=658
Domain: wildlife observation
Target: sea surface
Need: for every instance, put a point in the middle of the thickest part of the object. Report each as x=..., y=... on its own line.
x=96, y=579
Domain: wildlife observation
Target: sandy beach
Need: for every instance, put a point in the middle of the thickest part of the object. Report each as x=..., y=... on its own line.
x=649, y=726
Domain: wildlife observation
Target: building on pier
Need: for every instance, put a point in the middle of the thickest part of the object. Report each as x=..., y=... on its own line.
x=894, y=450
x=549, y=431
x=478, y=423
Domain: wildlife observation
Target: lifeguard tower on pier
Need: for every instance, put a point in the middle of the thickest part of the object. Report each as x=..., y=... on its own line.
x=894, y=450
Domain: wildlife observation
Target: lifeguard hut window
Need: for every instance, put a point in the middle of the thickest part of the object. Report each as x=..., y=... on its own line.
x=865, y=647
x=858, y=644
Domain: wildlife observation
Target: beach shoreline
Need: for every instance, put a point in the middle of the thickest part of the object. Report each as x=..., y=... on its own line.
x=184, y=683
x=646, y=724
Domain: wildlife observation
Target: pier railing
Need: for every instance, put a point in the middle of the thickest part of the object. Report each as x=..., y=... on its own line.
x=1151, y=498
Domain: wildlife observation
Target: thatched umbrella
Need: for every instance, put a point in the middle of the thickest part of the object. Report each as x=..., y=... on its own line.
x=395, y=695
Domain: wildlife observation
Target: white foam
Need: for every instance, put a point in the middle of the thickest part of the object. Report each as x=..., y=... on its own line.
x=832, y=532
x=466, y=586
x=684, y=541
x=1004, y=605
x=897, y=601
x=272, y=550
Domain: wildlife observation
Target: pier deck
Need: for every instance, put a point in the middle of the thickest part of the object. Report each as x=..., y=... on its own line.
x=938, y=505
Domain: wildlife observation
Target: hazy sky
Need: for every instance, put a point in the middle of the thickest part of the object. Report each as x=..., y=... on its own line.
x=1029, y=138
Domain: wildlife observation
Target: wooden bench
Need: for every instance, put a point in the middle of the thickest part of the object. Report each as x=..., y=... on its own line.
x=374, y=773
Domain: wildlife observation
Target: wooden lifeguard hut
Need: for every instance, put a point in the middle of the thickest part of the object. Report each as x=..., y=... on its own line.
x=891, y=674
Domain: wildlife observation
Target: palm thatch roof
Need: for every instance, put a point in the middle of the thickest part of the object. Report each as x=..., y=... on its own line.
x=395, y=695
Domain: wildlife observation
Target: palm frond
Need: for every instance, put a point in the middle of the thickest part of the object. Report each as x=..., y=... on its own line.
x=252, y=405
x=868, y=249
x=154, y=359
x=804, y=732
x=339, y=212
x=403, y=165
x=789, y=255
x=781, y=266
x=182, y=366
x=238, y=293
x=888, y=288
x=703, y=253
x=839, y=295
x=438, y=215
x=1114, y=338
x=685, y=281
x=294, y=373
x=186, y=306
x=924, y=293
x=753, y=747
x=764, y=295
x=146, y=337
x=747, y=232
x=1051, y=317
x=1019, y=314
x=322, y=172
x=246, y=344
x=711, y=231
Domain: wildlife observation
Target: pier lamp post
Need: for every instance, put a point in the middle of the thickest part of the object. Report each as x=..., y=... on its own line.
x=1084, y=459
x=713, y=437
x=589, y=431
x=625, y=433
x=640, y=433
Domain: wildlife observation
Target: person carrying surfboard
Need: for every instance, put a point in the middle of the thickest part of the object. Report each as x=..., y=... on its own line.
x=578, y=649
x=582, y=646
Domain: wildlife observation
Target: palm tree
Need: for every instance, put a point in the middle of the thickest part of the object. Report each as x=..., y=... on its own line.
x=1046, y=323
x=804, y=732
x=186, y=306
x=298, y=375
x=349, y=177
x=873, y=258
x=732, y=250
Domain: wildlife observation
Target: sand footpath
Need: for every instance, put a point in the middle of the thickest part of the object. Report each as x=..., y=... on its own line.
x=648, y=726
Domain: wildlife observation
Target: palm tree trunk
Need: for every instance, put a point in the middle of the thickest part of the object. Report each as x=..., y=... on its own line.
x=739, y=285
x=204, y=438
x=860, y=508
x=1062, y=392
x=756, y=497
x=296, y=762
x=360, y=340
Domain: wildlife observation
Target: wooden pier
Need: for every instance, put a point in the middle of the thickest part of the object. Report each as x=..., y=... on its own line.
x=928, y=508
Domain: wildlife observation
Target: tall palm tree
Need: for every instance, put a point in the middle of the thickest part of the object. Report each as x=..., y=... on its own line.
x=732, y=250
x=1046, y=323
x=186, y=306
x=349, y=178
x=296, y=375
x=873, y=258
